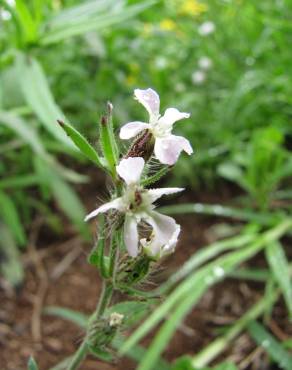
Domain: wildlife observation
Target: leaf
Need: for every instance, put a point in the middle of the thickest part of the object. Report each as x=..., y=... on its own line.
x=108, y=144
x=183, y=363
x=9, y=214
x=24, y=130
x=88, y=17
x=279, y=265
x=271, y=345
x=26, y=20
x=81, y=143
x=10, y=263
x=32, y=365
x=64, y=194
x=75, y=317
x=36, y=91
x=222, y=211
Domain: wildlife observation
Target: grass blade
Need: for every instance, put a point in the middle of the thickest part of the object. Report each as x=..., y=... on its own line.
x=56, y=31
x=10, y=263
x=214, y=349
x=9, y=214
x=36, y=91
x=279, y=265
x=222, y=211
x=271, y=345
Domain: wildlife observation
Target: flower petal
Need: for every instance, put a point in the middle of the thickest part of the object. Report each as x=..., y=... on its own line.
x=164, y=228
x=131, y=235
x=172, y=115
x=149, y=99
x=132, y=129
x=155, y=194
x=116, y=203
x=130, y=169
x=170, y=246
x=168, y=149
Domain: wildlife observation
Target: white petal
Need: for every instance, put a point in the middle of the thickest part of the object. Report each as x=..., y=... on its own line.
x=172, y=115
x=168, y=149
x=155, y=194
x=149, y=99
x=116, y=203
x=132, y=129
x=170, y=246
x=130, y=169
x=131, y=235
x=163, y=229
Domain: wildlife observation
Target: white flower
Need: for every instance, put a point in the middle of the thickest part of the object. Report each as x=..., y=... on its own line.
x=205, y=63
x=137, y=205
x=198, y=77
x=206, y=28
x=167, y=147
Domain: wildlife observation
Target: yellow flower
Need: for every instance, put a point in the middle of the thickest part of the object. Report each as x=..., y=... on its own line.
x=167, y=25
x=192, y=8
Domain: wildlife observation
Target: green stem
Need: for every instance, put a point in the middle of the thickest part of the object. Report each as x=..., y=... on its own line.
x=82, y=351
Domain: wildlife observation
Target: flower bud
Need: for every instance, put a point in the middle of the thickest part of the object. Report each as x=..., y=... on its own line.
x=142, y=146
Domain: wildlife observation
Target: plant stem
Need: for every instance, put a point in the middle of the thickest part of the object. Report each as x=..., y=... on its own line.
x=103, y=301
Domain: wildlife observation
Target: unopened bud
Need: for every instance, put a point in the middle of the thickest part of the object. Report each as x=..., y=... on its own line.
x=110, y=108
x=104, y=120
x=142, y=146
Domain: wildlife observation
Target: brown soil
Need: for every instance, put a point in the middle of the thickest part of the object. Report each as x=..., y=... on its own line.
x=24, y=332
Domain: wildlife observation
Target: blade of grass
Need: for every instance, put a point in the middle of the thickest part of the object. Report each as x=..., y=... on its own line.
x=279, y=265
x=36, y=91
x=204, y=255
x=274, y=348
x=222, y=211
x=56, y=31
x=214, y=349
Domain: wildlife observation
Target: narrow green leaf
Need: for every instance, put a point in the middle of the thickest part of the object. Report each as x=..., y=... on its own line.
x=271, y=345
x=64, y=194
x=21, y=181
x=32, y=365
x=66, y=313
x=203, y=255
x=24, y=131
x=222, y=211
x=26, y=20
x=36, y=91
x=107, y=144
x=81, y=143
x=9, y=214
x=10, y=263
x=215, y=348
x=279, y=265
x=77, y=23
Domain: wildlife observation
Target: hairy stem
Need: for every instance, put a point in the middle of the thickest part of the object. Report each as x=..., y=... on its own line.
x=103, y=301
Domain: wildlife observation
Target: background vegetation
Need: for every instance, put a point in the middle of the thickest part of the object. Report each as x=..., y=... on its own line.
x=67, y=58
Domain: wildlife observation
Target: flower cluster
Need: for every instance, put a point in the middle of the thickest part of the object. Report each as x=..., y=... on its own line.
x=136, y=203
